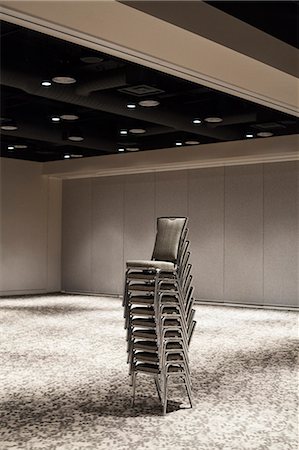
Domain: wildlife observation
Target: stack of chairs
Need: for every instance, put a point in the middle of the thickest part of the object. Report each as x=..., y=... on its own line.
x=158, y=310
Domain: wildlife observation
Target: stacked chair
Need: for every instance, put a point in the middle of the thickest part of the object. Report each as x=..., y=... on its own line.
x=158, y=310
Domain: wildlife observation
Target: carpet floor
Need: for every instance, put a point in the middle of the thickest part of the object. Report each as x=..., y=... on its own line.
x=64, y=382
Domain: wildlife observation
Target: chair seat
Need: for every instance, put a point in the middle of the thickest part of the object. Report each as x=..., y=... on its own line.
x=148, y=368
x=162, y=265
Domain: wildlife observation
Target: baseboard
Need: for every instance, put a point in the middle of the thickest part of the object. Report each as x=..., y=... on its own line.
x=246, y=305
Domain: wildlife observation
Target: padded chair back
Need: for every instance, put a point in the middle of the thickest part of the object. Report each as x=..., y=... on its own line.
x=168, y=238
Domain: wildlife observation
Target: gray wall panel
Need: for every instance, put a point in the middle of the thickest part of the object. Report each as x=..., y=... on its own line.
x=107, y=235
x=206, y=213
x=281, y=233
x=243, y=274
x=77, y=236
x=172, y=193
x=235, y=254
x=139, y=216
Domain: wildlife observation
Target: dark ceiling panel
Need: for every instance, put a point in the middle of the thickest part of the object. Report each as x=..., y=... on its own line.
x=98, y=101
x=277, y=18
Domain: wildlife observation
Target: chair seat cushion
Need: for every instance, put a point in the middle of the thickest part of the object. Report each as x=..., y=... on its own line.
x=163, y=265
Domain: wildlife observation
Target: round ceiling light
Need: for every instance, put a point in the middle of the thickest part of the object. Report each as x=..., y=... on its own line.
x=133, y=149
x=178, y=144
x=64, y=80
x=21, y=146
x=249, y=135
x=213, y=119
x=265, y=134
x=91, y=59
x=10, y=147
x=123, y=132
x=9, y=127
x=131, y=105
x=121, y=149
x=46, y=83
x=137, y=130
x=66, y=156
x=149, y=103
x=75, y=138
x=69, y=117
x=196, y=121
x=55, y=119
x=192, y=142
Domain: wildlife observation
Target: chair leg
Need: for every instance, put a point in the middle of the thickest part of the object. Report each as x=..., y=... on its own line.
x=133, y=387
x=158, y=388
x=165, y=396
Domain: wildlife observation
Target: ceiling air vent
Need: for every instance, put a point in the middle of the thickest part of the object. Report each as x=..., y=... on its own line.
x=141, y=90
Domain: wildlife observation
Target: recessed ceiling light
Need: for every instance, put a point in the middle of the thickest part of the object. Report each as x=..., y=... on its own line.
x=8, y=127
x=132, y=149
x=196, y=121
x=121, y=149
x=149, y=103
x=64, y=80
x=131, y=105
x=55, y=119
x=192, y=142
x=137, y=130
x=75, y=138
x=91, y=59
x=69, y=117
x=178, y=144
x=46, y=83
x=123, y=132
x=249, y=135
x=265, y=134
x=21, y=146
x=66, y=156
x=10, y=147
x=213, y=119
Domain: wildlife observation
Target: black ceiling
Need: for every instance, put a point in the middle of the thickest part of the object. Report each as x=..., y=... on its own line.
x=277, y=18
x=103, y=89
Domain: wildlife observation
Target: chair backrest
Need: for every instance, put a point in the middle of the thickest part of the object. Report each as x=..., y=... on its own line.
x=168, y=238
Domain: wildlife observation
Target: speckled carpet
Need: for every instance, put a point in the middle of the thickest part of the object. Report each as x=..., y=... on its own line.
x=64, y=383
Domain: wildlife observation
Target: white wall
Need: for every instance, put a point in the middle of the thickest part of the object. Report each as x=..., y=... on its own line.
x=243, y=229
x=30, y=229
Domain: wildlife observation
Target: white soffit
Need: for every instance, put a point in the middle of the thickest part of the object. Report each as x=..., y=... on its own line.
x=130, y=34
x=263, y=150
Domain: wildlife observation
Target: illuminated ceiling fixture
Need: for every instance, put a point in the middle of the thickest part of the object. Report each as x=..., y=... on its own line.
x=132, y=149
x=75, y=138
x=21, y=146
x=64, y=80
x=66, y=156
x=55, y=119
x=149, y=103
x=178, y=144
x=9, y=126
x=46, y=83
x=265, y=134
x=75, y=135
x=123, y=132
x=10, y=147
x=192, y=142
x=213, y=119
x=196, y=121
x=131, y=105
x=69, y=117
x=76, y=156
x=121, y=149
x=249, y=135
x=137, y=130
